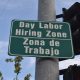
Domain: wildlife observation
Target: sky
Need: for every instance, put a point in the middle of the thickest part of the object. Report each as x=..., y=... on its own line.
x=24, y=10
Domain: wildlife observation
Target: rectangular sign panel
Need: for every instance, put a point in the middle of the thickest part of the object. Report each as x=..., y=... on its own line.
x=40, y=39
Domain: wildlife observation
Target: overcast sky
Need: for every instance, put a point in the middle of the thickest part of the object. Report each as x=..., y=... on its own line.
x=23, y=10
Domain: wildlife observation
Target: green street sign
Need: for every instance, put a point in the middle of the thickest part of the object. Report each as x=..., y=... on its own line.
x=40, y=39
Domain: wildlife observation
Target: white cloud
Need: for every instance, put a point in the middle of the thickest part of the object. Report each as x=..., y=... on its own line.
x=64, y=4
x=16, y=4
x=4, y=50
x=65, y=64
x=32, y=78
x=32, y=61
x=3, y=46
x=29, y=61
x=10, y=3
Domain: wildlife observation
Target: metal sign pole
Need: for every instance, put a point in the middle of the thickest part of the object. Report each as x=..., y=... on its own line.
x=46, y=68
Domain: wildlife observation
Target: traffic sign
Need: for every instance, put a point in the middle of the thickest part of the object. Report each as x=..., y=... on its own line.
x=40, y=39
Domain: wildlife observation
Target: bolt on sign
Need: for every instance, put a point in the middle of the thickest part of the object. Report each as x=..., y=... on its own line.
x=40, y=39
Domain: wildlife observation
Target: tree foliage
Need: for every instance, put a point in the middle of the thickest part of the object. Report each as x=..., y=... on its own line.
x=1, y=76
x=17, y=64
x=17, y=67
x=27, y=77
